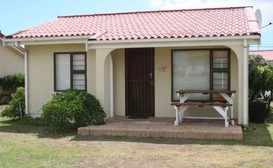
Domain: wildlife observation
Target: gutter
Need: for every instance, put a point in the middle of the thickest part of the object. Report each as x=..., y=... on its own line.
x=87, y=40
x=46, y=40
x=180, y=42
x=250, y=37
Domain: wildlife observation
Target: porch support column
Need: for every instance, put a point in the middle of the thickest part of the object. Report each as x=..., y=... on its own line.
x=245, y=84
x=241, y=82
x=111, y=86
x=101, y=83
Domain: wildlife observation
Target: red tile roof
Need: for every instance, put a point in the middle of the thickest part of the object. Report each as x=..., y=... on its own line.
x=267, y=54
x=211, y=22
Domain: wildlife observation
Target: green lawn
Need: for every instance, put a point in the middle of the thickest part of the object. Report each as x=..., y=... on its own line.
x=36, y=146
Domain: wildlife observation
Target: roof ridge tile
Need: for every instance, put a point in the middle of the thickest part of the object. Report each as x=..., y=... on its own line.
x=152, y=11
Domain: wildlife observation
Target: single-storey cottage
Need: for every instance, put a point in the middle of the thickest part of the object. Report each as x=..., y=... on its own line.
x=134, y=62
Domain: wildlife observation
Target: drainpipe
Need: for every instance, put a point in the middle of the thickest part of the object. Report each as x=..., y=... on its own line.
x=26, y=75
x=86, y=46
x=26, y=71
x=26, y=81
x=245, y=84
x=111, y=86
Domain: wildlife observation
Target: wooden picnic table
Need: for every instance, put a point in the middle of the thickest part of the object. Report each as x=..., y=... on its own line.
x=220, y=106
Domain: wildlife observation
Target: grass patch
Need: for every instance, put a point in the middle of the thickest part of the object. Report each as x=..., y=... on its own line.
x=24, y=145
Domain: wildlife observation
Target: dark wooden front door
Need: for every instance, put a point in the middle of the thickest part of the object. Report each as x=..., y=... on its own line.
x=139, y=71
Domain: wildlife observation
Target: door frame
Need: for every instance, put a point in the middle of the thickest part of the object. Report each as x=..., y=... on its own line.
x=152, y=114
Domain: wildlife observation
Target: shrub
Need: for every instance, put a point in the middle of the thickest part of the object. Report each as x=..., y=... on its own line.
x=16, y=108
x=73, y=109
x=11, y=82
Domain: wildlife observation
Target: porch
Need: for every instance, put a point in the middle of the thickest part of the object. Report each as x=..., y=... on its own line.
x=126, y=86
x=163, y=127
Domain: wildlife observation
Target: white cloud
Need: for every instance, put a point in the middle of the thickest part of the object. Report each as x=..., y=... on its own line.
x=266, y=6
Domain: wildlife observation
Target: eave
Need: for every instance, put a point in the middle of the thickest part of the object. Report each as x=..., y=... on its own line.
x=171, y=42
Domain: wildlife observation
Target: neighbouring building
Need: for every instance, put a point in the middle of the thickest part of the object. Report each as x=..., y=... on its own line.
x=266, y=54
x=11, y=62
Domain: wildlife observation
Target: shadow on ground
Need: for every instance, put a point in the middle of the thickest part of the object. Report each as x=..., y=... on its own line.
x=15, y=126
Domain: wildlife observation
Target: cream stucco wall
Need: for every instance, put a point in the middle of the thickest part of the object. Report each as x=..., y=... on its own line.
x=163, y=84
x=41, y=73
x=11, y=61
x=238, y=51
x=41, y=78
x=119, y=82
x=234, y=80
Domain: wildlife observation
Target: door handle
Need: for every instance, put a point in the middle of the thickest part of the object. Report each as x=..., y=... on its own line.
x=150, y=75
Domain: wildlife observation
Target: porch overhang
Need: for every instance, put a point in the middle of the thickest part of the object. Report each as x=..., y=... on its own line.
x=177, y=42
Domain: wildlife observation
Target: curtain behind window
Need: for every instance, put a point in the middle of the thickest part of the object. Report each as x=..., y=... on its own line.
x=62, y=78
x=191, y=71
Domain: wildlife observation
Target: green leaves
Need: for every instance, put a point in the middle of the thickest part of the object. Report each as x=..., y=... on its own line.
x=259, y=75
x=260, y=79
x=73, y=109
x=16, y=104
x=12, y=81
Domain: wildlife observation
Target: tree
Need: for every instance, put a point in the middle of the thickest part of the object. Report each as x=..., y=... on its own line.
x=260, y=79
x=9, y=84
x=255, y=76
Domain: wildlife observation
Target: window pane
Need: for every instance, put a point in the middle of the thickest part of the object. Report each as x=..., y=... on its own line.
x=220, y=59
x=220, y=81
x=191, y=72
x=78, y=62
x=79, y=81
x=62, y=62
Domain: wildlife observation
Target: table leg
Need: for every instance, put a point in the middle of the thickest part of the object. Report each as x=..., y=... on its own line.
x=181, y=112
x=232, y=115
x=176, y=122
x=223, y=112
x=183, y=98
x=229, y=99
x=231, y=110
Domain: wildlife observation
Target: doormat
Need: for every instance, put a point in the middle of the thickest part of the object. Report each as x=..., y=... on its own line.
x=138, y=117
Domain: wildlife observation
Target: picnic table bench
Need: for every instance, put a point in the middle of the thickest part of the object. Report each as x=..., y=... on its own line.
x=221, y=106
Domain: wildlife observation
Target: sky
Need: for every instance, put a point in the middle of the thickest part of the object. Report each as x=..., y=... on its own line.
x=16, y=15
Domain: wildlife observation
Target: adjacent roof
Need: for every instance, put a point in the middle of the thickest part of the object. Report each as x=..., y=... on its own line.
x=211, y=22
x=1, y=35
x=17, y=48
x=267, y=54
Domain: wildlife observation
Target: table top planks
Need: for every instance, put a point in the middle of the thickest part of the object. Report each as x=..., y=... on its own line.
x=206, y=91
